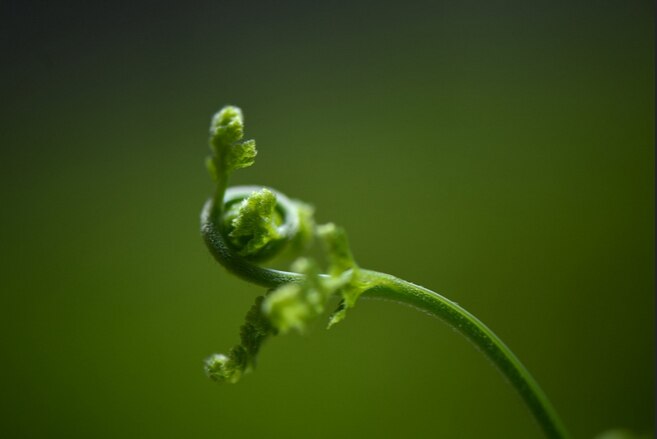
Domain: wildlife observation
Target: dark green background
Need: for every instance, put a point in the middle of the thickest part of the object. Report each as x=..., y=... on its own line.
x=498, y=152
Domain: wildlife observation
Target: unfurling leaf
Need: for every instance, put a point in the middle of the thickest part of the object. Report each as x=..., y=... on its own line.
x=252, y=225
x=229, y=152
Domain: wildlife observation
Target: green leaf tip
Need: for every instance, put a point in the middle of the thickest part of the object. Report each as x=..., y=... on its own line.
x=229, y=152
x=227, y=126
x=242, y=155
x=223, y=369
x=253, y=224
x=242, y=358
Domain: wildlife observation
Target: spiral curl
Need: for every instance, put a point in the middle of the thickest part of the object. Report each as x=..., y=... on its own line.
x=296, y=297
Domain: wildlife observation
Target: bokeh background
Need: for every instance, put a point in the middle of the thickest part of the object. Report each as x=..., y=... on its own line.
x=498, y=152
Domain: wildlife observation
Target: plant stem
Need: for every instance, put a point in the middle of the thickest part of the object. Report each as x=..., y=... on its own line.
x=385, y=286
x=217, y=204
x=391, y=288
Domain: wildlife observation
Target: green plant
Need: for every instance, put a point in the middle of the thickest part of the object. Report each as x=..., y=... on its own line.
x=246, y=226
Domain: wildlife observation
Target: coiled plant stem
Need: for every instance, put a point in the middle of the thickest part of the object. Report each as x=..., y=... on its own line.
x=241, y=236
x=385, y=286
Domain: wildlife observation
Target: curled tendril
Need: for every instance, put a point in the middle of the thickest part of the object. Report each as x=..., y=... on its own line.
x=215, y=232
x=246, y=226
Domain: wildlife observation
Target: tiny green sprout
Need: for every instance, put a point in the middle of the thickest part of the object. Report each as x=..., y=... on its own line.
x=245, y=226
x=229, y=152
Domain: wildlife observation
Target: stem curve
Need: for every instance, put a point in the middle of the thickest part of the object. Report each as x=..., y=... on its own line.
x=211, y=230
x=391, y=288
x=385, y=286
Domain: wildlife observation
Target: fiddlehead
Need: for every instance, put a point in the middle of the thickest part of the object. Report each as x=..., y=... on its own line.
x=246, y=226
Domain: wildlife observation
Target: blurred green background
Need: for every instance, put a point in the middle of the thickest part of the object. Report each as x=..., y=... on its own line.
x=498, y=152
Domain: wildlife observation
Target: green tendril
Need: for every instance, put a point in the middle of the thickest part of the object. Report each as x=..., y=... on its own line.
x=247, y=225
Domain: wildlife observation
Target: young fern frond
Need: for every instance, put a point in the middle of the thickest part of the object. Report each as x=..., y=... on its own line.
x=229, y=151
x=245, y=226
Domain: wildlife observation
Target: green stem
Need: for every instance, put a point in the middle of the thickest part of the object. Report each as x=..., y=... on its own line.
x=398, y=290
x=216, y=206
x=385, y=286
